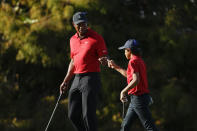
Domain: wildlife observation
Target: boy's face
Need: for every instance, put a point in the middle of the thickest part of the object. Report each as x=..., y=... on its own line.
x=127, y=53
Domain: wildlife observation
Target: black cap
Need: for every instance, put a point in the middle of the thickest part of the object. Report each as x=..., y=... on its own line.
x=79, y=17
x=131, y=43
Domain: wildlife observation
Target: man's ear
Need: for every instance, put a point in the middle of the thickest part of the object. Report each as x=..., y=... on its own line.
x=74, y=26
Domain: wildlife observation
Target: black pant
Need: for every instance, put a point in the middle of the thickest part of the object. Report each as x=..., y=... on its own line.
x=83, y=100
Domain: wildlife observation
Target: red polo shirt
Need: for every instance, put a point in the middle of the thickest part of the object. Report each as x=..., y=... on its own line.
x=85, y=52
x=136, y=64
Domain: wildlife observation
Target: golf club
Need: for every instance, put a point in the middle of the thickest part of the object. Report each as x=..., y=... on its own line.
x=123, y=110
x=53, y=112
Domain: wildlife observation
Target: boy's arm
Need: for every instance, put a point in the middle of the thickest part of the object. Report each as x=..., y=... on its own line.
x=113, y=65
x=133, y=83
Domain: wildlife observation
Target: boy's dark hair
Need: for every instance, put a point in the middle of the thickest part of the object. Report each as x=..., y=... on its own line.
x=136, y=51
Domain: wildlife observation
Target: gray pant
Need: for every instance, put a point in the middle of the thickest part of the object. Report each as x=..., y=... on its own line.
x=83, y=100
x=138, y=108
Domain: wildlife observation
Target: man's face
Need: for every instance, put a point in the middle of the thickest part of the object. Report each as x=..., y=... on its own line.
x=81, y=28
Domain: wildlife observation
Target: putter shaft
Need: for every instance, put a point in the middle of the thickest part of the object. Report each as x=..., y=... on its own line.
x=53, y=112
x=123, y=110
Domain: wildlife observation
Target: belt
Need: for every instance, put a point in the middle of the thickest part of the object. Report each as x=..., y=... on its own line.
x=87, y=74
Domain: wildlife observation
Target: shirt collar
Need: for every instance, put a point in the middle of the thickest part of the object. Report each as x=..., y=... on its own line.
x=134, y=57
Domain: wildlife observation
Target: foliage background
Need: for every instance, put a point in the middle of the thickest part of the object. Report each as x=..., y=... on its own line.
x=34, y=57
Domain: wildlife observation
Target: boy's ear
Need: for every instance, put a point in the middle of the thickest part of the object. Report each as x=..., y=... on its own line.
x=130, y=51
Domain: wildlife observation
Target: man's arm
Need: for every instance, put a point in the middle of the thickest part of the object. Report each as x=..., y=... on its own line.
x=113, y=65
x=68, y=77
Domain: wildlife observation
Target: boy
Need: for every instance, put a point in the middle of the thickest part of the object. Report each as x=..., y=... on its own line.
x=137, y=87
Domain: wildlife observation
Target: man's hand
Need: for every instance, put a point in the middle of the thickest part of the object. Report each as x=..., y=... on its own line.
x=103, y=60
x=63, y=87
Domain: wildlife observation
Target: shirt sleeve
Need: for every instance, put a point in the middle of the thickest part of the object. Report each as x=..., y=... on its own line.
x=71, y=55
x=71, y=50
x=101, y=47
x=134, y=65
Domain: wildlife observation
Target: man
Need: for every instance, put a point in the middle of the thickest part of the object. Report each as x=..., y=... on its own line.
x=87, y=50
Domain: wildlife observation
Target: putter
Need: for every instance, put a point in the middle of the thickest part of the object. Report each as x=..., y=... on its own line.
x=53, y=112
x=123, y=110
x=123, y=107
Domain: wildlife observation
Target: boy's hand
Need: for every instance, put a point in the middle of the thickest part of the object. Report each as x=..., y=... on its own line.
x=123, y=97
x=112, y=64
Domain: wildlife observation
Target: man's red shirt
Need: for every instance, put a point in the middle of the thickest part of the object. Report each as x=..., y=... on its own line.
x=136, y=64
x=85, y=52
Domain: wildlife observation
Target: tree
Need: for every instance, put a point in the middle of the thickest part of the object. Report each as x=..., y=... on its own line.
x=34, y=56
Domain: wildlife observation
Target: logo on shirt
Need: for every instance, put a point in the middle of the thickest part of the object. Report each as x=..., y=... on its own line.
x=86, y=42
x=104, y=51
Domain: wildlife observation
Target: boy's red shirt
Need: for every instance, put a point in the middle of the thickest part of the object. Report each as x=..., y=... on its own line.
x=85, y=52
x=136, y=64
